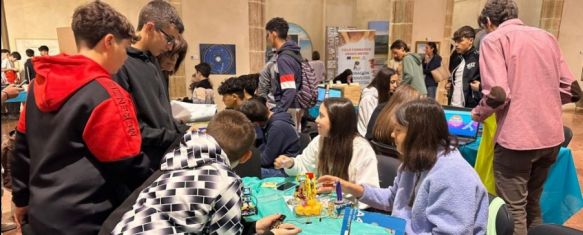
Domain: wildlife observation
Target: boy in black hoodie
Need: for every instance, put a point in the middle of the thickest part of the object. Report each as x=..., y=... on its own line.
x=78, y=136
x=280, y=136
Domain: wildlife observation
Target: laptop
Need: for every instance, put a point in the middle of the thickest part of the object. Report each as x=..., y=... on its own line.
x=460, y=124
x=332, y=92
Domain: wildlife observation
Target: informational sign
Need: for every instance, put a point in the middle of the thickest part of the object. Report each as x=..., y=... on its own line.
x=356, y=52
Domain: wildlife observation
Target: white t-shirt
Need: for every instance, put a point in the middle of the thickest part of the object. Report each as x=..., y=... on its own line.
x=457, y=98
x=5, y=65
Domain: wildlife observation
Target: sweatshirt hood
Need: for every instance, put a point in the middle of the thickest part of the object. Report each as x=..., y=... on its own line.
x=58, y=77
x=196, y=150
x=289, y=46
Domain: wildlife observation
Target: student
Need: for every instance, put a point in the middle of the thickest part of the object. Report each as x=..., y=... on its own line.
x=251, y=82
x=201, y=87
x=5, y=65
x=159, y=26
x=378, y=91
x=412, y=72
x=209, y=200
x=68, y=179
x=431, y=61
x=171, y=60
x=16, y=66
x=344, y=77
x=29, y=72
x=381, y=130
x=465, y=79
x=44, y=50
x=288, y=75
x=318, y=66
x=338, y=150
x=233, y=92
x=278, y=135
x=433, y=198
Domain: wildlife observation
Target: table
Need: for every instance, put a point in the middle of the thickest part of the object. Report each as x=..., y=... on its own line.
x=271, y=201
x=18, y=99
x=561, y=197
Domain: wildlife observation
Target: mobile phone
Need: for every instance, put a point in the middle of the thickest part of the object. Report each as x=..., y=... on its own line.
x=278, y=222
x=285, y=186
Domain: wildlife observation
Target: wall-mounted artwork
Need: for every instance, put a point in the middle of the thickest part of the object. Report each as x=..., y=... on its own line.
x=221, y=57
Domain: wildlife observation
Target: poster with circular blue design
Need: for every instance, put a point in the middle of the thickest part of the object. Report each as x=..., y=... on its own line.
x=221, y=57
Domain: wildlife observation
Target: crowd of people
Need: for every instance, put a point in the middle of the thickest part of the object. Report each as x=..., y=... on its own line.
x=115, y=161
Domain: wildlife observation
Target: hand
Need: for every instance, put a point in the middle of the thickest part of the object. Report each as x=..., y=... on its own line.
x=12, y=91
x=286, y=229
x=266, y=223
x=475, y=117
x=328, y=183
x=448, y=85
x=475, y=85
x=283, y=162
x=20, y=214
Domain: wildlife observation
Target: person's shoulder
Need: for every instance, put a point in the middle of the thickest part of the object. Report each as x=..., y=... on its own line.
x=453, y=166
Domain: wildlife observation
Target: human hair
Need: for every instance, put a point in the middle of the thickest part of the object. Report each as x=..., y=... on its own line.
x=162, y=14
x=384, y=124
x=29, y=52
x=94, y=20
x=382, y=83
x=399, y=44
x=433, y=46
x=343, y=76
x=251, y=82
x=498, y=11
x=5, y=51
x=233, y=85
x=255, y=110
x=464, y=32
x=43, y=48
x=336, y=151
x=427, y=134
x=16, y=55
x=278, y=25
x=233, y=132
x=204, y=69
x=180, y=48
x=315, y=55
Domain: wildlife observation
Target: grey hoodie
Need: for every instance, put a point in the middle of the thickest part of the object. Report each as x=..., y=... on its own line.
x=413, y=72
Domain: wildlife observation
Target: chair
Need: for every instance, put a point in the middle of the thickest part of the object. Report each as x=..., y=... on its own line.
x=503, y=223
x=553, y=229
x=384, y=149
x=305, y=139
x=387, y=167
x=251, y=168
x=568, y=136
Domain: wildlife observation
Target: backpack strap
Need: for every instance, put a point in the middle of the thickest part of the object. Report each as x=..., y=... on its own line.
x=294, y=55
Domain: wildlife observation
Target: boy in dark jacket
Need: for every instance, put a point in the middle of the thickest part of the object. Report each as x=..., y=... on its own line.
x=280, y=137
x=159, y=28
x=78, y=140
x=465, y=82
x=288, y=70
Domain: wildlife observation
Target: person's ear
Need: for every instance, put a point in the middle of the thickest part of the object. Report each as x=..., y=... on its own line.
x=108, y=41
x=246, y=157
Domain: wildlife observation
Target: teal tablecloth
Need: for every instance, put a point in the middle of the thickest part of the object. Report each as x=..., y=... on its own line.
x=561, y=197
x=271, y=201
x=18, y=99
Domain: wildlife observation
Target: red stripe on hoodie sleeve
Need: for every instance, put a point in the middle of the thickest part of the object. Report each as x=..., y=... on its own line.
x=21, y=127
x=112, y=132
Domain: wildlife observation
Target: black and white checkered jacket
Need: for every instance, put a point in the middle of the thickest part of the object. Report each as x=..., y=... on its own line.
x=197, y=193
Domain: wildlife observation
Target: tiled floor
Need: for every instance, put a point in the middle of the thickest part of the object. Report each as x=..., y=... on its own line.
x=572, y=118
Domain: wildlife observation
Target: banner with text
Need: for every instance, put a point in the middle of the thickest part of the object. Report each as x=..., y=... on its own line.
x=356, y=52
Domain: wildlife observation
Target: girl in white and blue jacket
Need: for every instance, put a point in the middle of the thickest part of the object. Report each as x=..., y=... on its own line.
x=435, y=189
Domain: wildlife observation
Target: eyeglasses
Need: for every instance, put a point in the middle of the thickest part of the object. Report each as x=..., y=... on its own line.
x=169, y=38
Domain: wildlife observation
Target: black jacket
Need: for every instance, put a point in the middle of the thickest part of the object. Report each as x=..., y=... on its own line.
x=142, y=77
x=433, y=64
x=29, y=72
x=280, y=138
x=77, y=147
x=471, y=73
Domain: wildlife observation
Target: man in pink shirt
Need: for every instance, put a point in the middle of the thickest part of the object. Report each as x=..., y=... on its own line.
x=525, y=81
